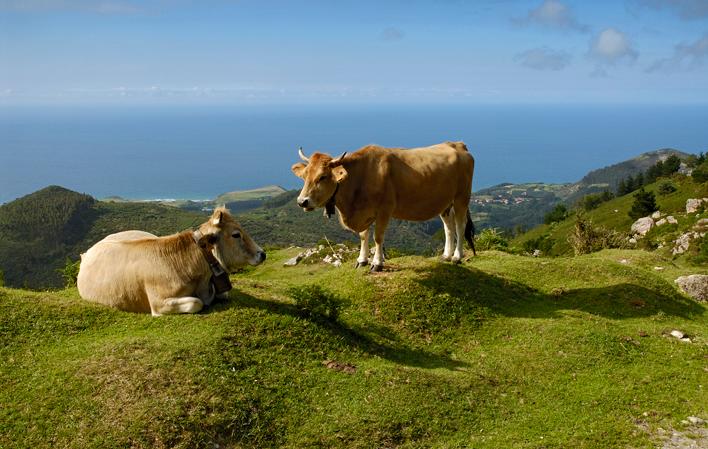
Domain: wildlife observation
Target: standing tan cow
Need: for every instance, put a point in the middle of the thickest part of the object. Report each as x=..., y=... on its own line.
x=136, y=271
x=374, y=184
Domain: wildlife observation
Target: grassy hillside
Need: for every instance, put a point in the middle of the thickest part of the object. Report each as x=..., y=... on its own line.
x=502, y=351
x=614, y=213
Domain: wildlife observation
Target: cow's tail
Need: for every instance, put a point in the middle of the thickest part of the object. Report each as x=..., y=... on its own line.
x=469, y=233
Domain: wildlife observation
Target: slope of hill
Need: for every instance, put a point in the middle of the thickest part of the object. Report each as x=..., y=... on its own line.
x=509, y=206
x=503, y=351
x=614, y=214
x=38, y=232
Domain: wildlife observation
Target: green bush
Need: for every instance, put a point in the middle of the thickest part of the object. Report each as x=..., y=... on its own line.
x=700, y=173
x=70, y=272
x=559, y=213
x=315, y=302
x=666, y=187
x=587, y=238
x=592, y=201
x=644, y=204
x=542, y=243
x=491, y=239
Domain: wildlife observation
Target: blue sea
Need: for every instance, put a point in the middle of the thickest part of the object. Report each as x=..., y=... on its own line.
x=200, y=152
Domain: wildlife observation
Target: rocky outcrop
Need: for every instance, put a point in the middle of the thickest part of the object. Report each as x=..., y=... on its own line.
x=332, y=255
x=642, y=226
x=695, y=286
x=694, y=204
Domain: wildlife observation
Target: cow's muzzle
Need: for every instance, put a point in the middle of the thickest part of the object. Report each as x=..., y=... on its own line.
x=305, y=203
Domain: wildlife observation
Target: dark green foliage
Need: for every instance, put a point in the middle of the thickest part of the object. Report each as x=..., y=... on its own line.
x=666, y=187
x=587, y=238
x=700, y=173
x=559, y=213
x=699, y=251
x=70, y=272
x=491, y=239
x=543, y=243
x=644, y=204
x=315, y=302
x=592, y=201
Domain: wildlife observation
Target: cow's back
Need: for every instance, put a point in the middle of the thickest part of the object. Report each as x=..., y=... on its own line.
x=427, y=180
x=111, y=272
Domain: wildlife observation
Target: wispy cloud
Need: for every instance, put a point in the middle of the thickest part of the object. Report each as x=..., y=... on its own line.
x=543, y=59
x=91, y=6
x=391, y=34
x=686, y=56
x=611, y=46
x=553, y=14
x=685, y=9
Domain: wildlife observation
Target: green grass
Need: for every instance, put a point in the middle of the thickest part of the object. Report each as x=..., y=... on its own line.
x=502, y=351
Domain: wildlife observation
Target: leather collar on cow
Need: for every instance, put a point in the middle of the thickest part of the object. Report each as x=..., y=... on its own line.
x=219, y=277
x=329, y=207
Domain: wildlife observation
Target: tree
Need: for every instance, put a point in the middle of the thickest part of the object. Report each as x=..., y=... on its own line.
x=671, y=165
x=644, y=204
x=639, y=181
x=559, y=213
x=700, y=173
x=622, y=187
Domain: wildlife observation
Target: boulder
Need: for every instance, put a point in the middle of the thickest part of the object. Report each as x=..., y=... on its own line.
x=642, y=226
x=693, y=204
x=694, y=285
x=682, y=243
x=656, y=215
x=671, y=219
x=701, y=225
x=661, y=222
x=293, y=261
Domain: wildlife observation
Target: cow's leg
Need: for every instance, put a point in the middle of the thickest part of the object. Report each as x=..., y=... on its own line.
x=460, y=218
x=363, y=258
x=381, y=225
x=447, y=218
x=168, y=306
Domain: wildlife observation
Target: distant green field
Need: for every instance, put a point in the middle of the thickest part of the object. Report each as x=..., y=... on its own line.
x=502, y=351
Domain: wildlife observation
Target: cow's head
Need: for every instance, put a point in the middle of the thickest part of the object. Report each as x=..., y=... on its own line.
x=232, y=246
x=321, y=174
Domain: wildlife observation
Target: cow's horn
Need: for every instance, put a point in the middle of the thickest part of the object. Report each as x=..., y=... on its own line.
x=302, y=155
x=339, y=159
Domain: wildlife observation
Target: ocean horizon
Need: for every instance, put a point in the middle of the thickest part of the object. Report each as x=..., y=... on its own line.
x=200, y=152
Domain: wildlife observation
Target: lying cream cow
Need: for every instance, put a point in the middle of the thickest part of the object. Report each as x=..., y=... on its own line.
x=136, y=271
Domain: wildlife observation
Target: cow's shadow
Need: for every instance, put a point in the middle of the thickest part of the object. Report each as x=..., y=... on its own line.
x=506, y=297
x=373, y=339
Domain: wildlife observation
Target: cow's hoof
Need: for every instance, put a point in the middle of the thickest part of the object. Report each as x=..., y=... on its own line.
x=376, y=268
x=456, y=261
x=444, y=258
x=361, y=264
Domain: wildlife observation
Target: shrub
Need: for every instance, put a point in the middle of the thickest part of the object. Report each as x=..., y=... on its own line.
x=491, y=239
x=587, y=238
x=70, y=272
x=592, y=201
x=700, y=173
x=559, y=213
x=2, y=278
x=644, y=204
x=542, y=243
x=315, y=302
x=666, y=187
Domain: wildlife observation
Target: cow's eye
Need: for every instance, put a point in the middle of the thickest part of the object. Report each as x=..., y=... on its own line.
x=322, y=178
x=236, y=235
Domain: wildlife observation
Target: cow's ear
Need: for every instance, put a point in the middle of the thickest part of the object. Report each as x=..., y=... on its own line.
x=216, y=218
x=339, y=173
x=299, y=169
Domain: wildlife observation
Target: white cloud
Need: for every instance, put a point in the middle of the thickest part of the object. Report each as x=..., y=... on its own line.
x=685, y=57
x=553, y=14
x=392, y=34
x=543, y=59
x=686, y=9
x=612, y=46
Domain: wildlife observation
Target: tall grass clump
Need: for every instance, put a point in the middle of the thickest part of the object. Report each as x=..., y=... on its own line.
x=587, y=238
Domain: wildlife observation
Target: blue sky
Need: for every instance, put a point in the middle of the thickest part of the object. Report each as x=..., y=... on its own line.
x=397, y=51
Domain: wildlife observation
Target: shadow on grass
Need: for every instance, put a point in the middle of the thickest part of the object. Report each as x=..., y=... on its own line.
x=372, y=339
x=510, y=298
